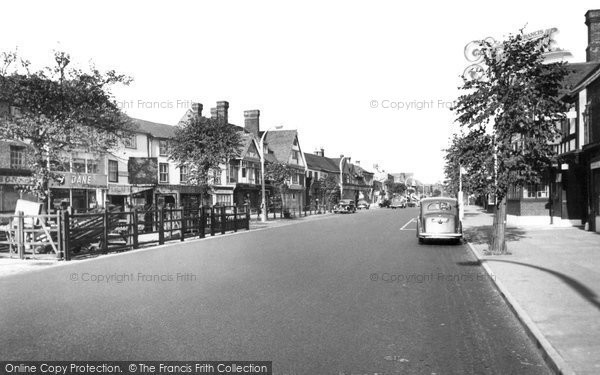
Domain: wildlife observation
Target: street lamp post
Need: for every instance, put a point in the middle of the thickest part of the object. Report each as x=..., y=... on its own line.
x=263, y=211
x=342, y=178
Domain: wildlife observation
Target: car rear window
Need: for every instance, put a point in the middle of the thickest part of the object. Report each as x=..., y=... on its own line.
x=440, y=206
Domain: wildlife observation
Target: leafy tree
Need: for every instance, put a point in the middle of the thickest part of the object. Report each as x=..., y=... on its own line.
x=474, y=152
x=203, y=145
x=330, y=189
x=518, y=97
x=58, y=110
x=279, y=174
x=437, y=192
x=397, y=188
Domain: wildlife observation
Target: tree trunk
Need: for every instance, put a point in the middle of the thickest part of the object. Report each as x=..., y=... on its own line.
x=498, y=244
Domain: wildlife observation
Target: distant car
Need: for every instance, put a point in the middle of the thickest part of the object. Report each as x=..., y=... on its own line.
x=398, y=202
x=439, y=219
x=384, y=203
x=345, y=206
x=363, y=204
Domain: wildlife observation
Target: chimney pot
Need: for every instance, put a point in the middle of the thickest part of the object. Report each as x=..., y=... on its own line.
x=197, y=108
x=252, y=121
x=592, y=20
x=222, y=111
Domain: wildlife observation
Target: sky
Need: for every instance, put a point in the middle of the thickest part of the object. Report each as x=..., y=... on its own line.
x=370, y=80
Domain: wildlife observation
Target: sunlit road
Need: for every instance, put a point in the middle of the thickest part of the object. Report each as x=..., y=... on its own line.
x=346, y=294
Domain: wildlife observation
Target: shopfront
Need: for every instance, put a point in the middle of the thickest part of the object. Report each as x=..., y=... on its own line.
x=128, y=195
x=11, y=190
x=81, y=191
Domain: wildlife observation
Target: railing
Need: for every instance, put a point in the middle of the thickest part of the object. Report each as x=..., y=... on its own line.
x=121, y=231
x=30, y=234
x=110, y=230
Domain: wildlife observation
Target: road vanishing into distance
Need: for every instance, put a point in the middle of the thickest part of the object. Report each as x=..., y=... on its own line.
x=337, y=294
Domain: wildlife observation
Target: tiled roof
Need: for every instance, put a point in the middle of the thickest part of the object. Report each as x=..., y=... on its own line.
x=320, y=163
x=280, y=142
x=153, y=128
x=578, y=72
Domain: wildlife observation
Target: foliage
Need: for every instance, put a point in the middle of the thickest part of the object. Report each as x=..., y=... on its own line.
x=58, y=110
x=518, y=100
x=474, y=152
x=437, y=193
x=519, y=97
x=279, y=175
x=397, y=188
x=202, y=145
x=330, y=190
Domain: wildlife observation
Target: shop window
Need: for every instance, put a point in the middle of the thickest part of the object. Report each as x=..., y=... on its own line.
x=78, y=166
x=223, y=199
x=17, y=157
x=113, y=171
x=130, y=141
x=163, y=172
x=183, y=174
x=535, y=191
x=163, y=148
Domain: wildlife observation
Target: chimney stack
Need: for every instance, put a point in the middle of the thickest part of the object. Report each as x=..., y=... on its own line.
x=592, y=20
x=222, y=108
x=213, y=113
x=320, y=152
x=197, y=109
x=251, y=121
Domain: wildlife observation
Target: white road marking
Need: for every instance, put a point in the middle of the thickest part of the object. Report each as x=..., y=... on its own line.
x=410, y=221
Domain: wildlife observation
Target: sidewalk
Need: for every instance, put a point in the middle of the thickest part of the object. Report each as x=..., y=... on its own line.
x=552, y=280
x=10, y=266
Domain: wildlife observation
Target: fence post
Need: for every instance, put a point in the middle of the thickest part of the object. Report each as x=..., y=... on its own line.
x=66, y=236
x=248, y=220
x=182, y=224
x=135, y=232
x=161, y=226
x=223, y=220
x=213, y=221
x=202, y=223
x=235, y=218
x=20, y=235
x=59, y=239
x=105, y=232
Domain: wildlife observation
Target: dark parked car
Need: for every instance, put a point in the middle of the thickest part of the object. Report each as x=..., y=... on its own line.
x=345, y=206
x=363, y=204
x=439, y=219
x=384, y=203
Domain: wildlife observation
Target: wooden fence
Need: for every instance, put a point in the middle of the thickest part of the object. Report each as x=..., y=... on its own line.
x=65, y=235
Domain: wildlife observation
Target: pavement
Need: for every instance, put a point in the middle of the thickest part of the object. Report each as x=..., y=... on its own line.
x=10, y=264
x=336, y=294
x=551, y=278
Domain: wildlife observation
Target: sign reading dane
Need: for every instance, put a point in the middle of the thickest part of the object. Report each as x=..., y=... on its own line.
x=143, y=171
x=72, y=180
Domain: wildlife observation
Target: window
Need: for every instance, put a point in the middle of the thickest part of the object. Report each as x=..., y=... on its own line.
x=316, y=176
x=78, y=166
x=163, y=148
x=17, y=157
x=216, y=177
x=243, y=172
x=295, y=156
x=113, y=171
x=223, y=199
x=92, y=166
x=233, y=173
x=183, y=174
x=535, y=191
x=130, y=141
x=163, y=172
x=294, y=178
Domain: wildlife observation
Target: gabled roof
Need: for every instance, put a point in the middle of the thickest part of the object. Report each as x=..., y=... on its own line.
x=578, y=72
x=281, y=142
x=153, y=128
x=320, y=163
x=247, y=139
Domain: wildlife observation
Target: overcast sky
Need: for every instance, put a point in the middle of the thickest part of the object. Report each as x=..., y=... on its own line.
x=327, y=69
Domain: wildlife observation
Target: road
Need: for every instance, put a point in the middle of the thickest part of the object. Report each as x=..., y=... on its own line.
x=344, y=294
